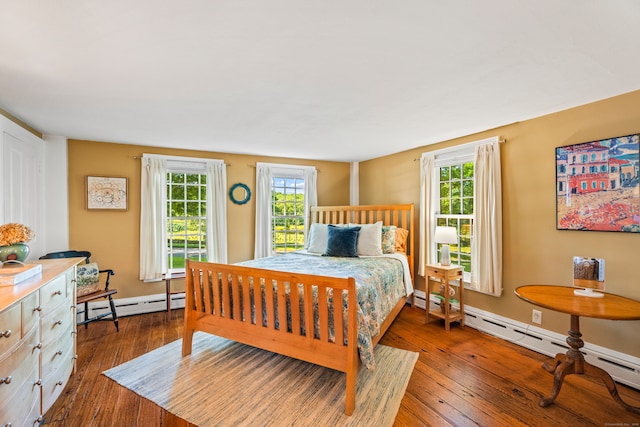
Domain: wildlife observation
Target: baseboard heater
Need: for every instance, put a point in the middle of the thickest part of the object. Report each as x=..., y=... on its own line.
x=622, y=367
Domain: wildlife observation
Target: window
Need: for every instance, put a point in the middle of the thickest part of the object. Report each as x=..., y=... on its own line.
x=183, y=211
x=186, y=218
x=284, y=194
x=287, y=214
x=460, y=187
x=455, y=207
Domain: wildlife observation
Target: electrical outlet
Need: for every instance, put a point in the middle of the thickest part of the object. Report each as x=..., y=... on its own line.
x=536, y=317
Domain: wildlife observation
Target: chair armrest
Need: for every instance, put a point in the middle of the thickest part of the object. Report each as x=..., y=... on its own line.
x=109, y=274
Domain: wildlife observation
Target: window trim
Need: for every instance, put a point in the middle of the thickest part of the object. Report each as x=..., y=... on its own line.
x=278, y=175
x=174, y=169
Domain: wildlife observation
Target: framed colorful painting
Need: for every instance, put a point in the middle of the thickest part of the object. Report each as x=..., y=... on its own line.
x=107, y=193
x=597, y=185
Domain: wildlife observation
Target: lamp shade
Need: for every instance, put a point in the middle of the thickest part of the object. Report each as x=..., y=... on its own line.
x=445, y=235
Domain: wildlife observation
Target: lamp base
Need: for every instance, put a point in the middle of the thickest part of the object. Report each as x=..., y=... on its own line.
x=445, y=255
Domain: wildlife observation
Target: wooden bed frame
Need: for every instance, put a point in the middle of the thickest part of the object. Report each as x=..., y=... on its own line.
x=226, y=310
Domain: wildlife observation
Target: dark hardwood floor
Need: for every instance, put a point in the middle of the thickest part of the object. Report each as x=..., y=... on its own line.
x=462, y=378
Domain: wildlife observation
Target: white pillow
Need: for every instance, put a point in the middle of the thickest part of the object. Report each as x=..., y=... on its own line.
x=318, y=238
x=369, y=239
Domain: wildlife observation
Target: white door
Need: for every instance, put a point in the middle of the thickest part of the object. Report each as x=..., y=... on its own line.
x=22, y=185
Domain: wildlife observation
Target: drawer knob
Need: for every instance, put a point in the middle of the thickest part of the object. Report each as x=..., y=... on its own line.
x=39, y=420
x=75, y=357
x=38, y=308
x=59, y=322
x=39, y=382
x=37, y=346
x=58, y=353
x=6, y=425
x=6, y=333
x=6, y=380
x=59, y=383
x=57, y=292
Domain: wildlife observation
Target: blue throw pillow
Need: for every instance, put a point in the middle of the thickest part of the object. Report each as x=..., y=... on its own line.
x=342, y=241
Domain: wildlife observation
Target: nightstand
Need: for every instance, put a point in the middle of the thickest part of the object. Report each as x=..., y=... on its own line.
x=445, y=274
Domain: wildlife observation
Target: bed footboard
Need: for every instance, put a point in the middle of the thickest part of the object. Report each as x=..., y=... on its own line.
x=296, y=315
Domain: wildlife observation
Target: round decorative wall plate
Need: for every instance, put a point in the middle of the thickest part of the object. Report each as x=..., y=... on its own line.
x=239, y=193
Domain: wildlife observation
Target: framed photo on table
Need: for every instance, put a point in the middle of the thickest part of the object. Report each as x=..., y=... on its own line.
x=597, y=185
x=107, y=193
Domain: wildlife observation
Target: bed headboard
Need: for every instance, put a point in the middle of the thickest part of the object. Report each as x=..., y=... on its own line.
x=398, y=215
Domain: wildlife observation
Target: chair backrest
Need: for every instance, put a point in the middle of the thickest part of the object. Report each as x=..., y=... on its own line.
x=68, y=254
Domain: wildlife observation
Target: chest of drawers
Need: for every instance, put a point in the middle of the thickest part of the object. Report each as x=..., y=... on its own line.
x=37, y=342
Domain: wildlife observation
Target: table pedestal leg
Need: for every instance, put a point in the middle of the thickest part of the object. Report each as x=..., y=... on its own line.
x=573, y=363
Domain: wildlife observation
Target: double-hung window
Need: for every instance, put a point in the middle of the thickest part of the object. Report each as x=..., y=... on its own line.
x=461, y=188
x=455, y=202
x=287, y=213
x=182, y=214
x=186, y=218
x=284, y=194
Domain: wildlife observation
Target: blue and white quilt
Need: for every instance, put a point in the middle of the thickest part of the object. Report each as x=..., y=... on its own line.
x=381, y=281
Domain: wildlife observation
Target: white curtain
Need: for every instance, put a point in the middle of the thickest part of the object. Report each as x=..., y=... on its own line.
x=153, y=207
x=486, y=259
x=216, y=212
x=310, y=196
x=263, y=243
x=427, y=170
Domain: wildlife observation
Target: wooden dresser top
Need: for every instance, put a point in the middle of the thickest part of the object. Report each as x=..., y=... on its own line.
x=51, y=268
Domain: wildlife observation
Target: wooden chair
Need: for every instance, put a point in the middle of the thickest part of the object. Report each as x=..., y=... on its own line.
x=100, y=293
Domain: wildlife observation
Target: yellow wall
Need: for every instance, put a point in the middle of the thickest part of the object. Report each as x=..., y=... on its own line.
x=534, y=251
x=113, y=237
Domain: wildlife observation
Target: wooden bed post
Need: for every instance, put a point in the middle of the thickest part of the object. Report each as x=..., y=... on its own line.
x=187, y=333
x=352, y=348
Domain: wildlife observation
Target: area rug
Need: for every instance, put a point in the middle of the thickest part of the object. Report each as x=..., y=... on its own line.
x=224, y=383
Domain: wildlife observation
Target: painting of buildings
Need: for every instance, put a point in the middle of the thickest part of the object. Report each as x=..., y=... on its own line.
x=597, y=185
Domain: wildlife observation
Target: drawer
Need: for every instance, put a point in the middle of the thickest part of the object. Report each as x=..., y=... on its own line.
x=53, y=294
x=18, y=365
x=10, y=334
x=30, y=312
x=56, y=352
x=35, y=417
x=53, y=385
x=55, y=323
x=24, y=406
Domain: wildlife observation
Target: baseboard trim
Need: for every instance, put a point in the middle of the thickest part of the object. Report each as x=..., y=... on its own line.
x=133, y=306
x=622, y=367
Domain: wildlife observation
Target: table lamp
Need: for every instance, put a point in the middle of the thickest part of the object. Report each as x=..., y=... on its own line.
x=446, y=236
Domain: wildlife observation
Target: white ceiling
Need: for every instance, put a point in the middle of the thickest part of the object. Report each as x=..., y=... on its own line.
x=344, y=80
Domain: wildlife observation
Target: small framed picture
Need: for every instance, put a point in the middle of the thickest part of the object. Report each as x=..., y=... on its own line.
x=107, y=193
